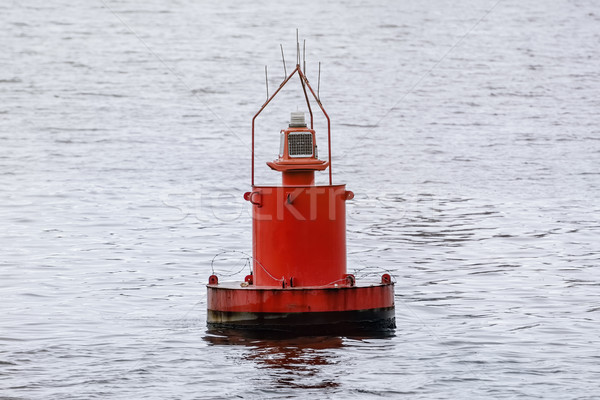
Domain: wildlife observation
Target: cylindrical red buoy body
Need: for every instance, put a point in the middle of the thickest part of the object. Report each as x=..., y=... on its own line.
x=299, y=235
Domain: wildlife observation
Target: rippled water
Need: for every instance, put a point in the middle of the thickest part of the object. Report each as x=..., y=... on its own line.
x=468, y=130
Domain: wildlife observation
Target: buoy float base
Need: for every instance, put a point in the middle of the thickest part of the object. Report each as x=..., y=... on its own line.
x=344, y=310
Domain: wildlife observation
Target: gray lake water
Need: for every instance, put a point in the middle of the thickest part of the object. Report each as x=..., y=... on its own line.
x=469, y=131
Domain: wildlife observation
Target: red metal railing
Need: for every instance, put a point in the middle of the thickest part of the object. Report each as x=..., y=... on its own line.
x=305, y=84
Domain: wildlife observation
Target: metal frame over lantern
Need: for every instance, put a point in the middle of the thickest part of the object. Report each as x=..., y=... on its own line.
x=299, y=282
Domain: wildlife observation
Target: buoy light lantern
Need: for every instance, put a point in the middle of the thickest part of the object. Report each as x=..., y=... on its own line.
x=299, y=282
x=298, y=157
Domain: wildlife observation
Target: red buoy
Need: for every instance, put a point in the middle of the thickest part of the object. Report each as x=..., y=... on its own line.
x=299, y=282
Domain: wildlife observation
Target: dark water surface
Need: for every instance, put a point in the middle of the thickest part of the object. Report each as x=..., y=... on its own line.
x=473, y=147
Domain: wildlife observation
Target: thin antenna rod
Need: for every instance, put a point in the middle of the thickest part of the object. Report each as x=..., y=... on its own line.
x=267, y=82
x=297, y=48
x=319, y=83
x=304, y=56
x=283, y=59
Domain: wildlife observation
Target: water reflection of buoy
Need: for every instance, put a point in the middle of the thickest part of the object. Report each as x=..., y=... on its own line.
x=299, y=282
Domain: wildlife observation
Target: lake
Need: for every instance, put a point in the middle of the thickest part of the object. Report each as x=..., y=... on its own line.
x=469, y=132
